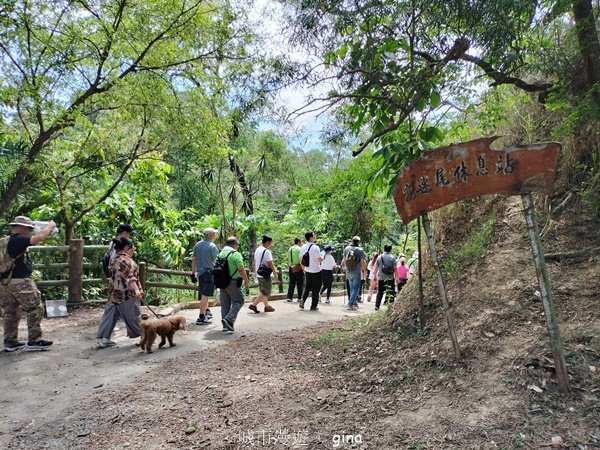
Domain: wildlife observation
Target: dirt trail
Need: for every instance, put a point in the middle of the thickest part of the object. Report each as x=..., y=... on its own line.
x=41, y=387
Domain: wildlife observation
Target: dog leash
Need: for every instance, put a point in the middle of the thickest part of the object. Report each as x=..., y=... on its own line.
x=148, y=306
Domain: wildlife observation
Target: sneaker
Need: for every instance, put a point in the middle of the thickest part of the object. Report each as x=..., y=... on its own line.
x=254, y=308
x=14, y=347
x=350, y=308
x=328, y=300
x=316, y=308
x=269, y=309
x=227, y=325
x=203, y=321
x=301, y=304
x=289, y=300
x=39, y=345
x=360, y=300
x=208, y=314
x=376, y=308
x=104, y=342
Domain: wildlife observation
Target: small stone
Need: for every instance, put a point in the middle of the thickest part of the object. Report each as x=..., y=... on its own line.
x=190, y=430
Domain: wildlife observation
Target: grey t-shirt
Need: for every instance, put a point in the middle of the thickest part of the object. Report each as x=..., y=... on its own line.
x=389, y=261
x=205, y=253
x=359, y=255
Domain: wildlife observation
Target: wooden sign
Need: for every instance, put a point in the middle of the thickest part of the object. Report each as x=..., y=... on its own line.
x=470, y=169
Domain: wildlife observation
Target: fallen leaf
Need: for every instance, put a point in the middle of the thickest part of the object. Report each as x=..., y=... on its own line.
x=535, y=388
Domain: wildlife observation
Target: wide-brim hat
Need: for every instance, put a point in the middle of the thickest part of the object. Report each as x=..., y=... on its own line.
x=22, y=221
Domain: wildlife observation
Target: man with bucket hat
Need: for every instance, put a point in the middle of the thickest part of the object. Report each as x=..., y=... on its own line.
x=18, y=292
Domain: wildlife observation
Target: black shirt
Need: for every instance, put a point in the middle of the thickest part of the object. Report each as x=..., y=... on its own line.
x=17, y=245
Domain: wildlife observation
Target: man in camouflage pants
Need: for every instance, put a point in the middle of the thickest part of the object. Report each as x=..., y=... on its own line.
x=18, y=292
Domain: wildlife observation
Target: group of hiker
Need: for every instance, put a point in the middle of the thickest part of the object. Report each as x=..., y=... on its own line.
x=310, y=274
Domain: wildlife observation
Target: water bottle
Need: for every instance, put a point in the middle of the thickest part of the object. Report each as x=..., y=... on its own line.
x=40, y=224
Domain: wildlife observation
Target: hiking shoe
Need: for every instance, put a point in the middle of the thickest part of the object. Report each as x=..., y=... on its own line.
x=104, y=343
x=14, y=346
x=254, y=308
x=269, y=309
x=301, y=304
x=39, y=345
x=203, y=321
x=227, y=324
x=208, y=314
x=289, y=300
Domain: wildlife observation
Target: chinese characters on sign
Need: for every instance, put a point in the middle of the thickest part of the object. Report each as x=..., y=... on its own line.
x=471, y=169
x=281, y=437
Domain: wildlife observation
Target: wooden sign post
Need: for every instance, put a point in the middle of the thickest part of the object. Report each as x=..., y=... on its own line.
x=471, y=169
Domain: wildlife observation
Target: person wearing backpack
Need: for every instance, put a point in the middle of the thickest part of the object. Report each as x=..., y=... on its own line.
x=354, y=262
x=296, y=274
x=203, y=263
x=386, y=274
x=310, y=257
x=413, y=265
x=264, y=269
x=124, y=295
x=18, y=292
x=123, y=230
x=231, y=296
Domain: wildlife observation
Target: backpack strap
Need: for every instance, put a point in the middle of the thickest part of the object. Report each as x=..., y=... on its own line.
x=261, y=258
x=227, y=259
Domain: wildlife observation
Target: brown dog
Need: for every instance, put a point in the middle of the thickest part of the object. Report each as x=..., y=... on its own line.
x=165, y=328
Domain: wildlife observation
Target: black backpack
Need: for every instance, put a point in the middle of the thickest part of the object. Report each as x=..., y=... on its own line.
x=105, y=263
x=306, y=257
x=221, y=272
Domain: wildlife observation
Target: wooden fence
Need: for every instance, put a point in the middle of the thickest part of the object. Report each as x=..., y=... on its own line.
x=77, y=253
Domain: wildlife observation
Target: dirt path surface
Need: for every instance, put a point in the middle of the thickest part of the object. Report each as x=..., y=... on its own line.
x=41, y=388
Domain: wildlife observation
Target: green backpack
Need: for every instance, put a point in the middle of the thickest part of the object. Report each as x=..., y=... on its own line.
x=7, y=262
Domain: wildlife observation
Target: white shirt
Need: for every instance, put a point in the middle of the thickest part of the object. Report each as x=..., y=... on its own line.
x=258, y=255
x=315, y=253
x=371, y=269
x=328, y=262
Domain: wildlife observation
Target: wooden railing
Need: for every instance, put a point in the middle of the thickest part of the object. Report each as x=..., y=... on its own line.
x=76, y=252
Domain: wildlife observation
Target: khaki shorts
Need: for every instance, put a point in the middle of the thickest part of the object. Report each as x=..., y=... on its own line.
x=265, y=286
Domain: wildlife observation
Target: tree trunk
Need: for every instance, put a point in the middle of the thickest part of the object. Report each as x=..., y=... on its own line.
x=248, y=204
x=589, y=45
x=19, y=179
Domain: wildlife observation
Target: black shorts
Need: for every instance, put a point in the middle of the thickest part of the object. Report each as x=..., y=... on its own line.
x=206, y=283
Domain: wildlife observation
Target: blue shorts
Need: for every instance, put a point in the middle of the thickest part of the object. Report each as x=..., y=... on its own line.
x=206, y=284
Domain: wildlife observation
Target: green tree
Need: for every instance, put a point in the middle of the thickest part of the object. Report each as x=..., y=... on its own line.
x=60, y=59
x=390, y=64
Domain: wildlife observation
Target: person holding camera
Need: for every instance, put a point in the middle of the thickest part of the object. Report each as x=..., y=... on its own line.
x=265, y=269
x=203, y=263
x=18, y=292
